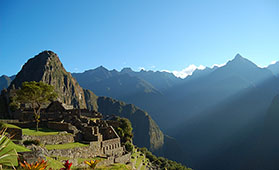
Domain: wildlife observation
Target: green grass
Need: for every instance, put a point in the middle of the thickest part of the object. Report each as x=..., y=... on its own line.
x=54, y=164
x=81, y=160
x=138, y=160
x=115, y=167
x=41, y=132
x=65, y=146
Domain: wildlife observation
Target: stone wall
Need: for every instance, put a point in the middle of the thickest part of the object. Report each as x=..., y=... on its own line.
x=78, y=152
x=112, y=147
x=106, y=162
x=62, y=127
x=61, y=138
x=95, y=146
x=123, y=159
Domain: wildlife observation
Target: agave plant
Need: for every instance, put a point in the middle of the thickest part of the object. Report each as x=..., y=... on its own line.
x=92, y=163
x=39, y=165
x=8, y=156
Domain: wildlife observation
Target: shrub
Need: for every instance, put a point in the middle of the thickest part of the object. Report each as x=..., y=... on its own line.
x=129, y=147
x=30, y=142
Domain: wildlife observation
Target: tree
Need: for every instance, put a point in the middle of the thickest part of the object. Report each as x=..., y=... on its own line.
x=35, y=94
x=124, y=130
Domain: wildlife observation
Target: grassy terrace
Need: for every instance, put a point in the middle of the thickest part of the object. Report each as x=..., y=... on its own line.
x=66, y=146
x=139, y=160
x=115, y=167
x=41, y=132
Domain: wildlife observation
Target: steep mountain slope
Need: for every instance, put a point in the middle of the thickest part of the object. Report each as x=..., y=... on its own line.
x=274, y=68
x=47, y=67
x=5, y=81
x=146, y=131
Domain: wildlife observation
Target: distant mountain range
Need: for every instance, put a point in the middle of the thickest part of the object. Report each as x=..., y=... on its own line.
x=217, y=111
x=220, y=117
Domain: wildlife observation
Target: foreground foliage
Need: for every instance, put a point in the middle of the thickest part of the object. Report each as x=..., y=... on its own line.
x=39, y=165
x=8, y=155
x=92, y=163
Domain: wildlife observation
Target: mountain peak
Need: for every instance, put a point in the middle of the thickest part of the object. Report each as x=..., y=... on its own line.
x=126, y=70
x=47, y=67
x=102, y=68
x=238, y=57
x=240, y=61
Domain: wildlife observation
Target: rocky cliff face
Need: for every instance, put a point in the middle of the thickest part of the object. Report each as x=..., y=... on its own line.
x=47, y=67
x=146, y=131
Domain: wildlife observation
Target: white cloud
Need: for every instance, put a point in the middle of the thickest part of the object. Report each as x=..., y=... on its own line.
x=186, y=71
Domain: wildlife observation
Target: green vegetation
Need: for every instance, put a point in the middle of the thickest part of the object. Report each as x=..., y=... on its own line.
x=163, y=163
x=129, y=146
x=8, y=154
x=124, y=130
x=18, y=148
x=40, y=132
x=8, y=151
x=139, y=160
x=115, y=167
x=65, y=146
x=6, y=125
x=36, y=94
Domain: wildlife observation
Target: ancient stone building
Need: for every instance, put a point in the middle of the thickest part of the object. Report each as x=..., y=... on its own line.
x=86, y=126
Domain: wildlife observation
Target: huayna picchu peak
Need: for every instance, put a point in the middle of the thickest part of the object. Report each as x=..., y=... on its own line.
x=47, y=67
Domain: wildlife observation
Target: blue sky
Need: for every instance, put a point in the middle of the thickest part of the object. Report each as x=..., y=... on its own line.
x=154, y=34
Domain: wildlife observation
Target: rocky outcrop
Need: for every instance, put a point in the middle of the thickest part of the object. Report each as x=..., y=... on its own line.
x=146, y=131
x=91, y=100
x=47, y=67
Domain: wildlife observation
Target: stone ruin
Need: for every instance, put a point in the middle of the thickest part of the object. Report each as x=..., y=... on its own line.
x=85, y=126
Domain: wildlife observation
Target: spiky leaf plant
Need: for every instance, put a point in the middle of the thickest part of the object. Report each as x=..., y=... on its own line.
x=8, y=155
